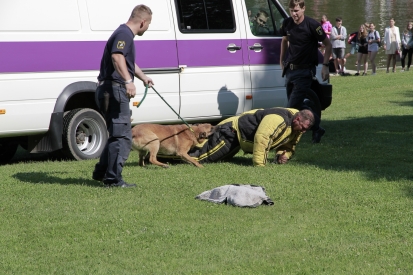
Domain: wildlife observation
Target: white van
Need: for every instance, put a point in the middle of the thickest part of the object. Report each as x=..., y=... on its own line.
x=205, y=57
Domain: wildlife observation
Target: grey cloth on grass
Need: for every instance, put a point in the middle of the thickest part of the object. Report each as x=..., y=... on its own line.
x=237, y=195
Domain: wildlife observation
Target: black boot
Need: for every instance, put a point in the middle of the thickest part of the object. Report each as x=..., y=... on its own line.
x=318, y=134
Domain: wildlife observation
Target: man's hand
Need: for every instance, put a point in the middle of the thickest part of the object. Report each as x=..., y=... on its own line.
x=147, y=81
x=282, y=159
x=130, y=90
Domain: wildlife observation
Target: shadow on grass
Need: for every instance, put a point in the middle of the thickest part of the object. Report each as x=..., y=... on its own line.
x=49, y=178
x=23, y=155
x=408, y=94
x=379, y=147
x=239, y=160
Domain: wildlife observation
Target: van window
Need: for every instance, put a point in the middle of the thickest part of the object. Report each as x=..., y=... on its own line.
x=205, y=16
x=264, y=17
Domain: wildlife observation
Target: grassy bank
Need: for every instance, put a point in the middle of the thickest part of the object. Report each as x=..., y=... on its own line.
x=343, y=206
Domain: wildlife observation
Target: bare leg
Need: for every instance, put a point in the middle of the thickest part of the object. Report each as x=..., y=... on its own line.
x=372, y=56
x=388, y=62
x=359, y=55
x=394, y=62
x=366, y=63
x=336, y=65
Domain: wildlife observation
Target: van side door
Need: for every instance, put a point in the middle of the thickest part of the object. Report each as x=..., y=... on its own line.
x=263, y=43
x=211, y=57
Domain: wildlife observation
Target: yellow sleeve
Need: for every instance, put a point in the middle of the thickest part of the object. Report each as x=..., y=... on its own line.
x=270, y=127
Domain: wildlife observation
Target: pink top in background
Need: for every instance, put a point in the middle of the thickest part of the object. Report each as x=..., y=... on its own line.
x=327, y=27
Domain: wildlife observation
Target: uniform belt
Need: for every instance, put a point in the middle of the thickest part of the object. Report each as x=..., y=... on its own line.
x=301, y=66
x=113, y=83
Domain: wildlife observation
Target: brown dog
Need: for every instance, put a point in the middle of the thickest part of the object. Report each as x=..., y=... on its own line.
x=168, y=140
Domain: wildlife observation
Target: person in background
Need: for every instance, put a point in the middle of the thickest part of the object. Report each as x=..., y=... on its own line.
x=259, y=25
x=354, y=46
x=326, y=25
x=407, y=45
x=373, y=40
x=114, y=91
x=299, y=58
x=362, y=49
x=338, y=41
x=392, y=44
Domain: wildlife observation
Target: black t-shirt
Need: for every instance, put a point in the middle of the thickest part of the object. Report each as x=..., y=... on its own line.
x=303, y=40
x=121, y=41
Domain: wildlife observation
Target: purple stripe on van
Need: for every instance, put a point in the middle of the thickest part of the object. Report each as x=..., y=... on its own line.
x=195, y=53
x=16, y=57
x=269, y=54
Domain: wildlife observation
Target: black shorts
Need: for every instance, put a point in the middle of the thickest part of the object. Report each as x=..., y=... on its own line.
x=363, y=50
x=338, y=53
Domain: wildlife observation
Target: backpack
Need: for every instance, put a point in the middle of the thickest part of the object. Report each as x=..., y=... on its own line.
x=377, y=38
x=351, y=37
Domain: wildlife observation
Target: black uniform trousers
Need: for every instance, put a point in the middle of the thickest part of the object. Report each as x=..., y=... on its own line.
x=116, y=112
x=298, y=82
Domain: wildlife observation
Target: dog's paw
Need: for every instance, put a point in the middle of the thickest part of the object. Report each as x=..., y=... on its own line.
x=165, y=166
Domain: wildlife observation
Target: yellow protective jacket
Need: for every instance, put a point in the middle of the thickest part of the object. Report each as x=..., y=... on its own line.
x=261, y=130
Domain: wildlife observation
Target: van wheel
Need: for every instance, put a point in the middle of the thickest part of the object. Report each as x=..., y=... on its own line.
x=84, y=134
x=7, y=150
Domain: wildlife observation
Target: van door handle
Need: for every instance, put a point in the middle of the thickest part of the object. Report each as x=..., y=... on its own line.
x=232, y=47
x=256, y=47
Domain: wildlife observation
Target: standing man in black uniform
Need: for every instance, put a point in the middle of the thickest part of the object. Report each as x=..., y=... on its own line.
x=114, y=91
x=300, y=37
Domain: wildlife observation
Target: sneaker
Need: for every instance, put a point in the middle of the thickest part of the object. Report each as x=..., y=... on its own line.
x=373, y=73
x=364, y=74
x=402, y=70
x=318, y=134
x=120, y=184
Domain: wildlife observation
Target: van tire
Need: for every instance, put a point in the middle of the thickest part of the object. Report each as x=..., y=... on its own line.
x=7, y=150
x=84, y=134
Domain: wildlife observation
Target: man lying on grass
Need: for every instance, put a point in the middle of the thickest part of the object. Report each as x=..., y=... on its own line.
x=257, y=132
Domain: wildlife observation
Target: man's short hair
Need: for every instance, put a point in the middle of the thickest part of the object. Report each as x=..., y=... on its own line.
x=339, y=19
x=261, y=12
x=294, y=3
x=139, y=10
x=306, y=115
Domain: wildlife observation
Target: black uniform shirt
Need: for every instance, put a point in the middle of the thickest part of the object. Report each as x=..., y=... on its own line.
x=303, y=40
x=121, y=41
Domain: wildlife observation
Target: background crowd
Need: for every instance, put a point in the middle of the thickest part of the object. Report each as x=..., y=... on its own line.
x=365, y=44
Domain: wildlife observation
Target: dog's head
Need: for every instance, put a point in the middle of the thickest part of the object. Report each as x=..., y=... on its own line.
x=204, y=131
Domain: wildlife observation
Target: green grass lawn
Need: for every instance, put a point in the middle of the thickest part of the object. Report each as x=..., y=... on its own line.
x=344, y=206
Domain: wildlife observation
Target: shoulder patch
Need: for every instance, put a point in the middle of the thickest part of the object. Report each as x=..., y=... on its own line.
x=121, y=45
x=319, y=30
